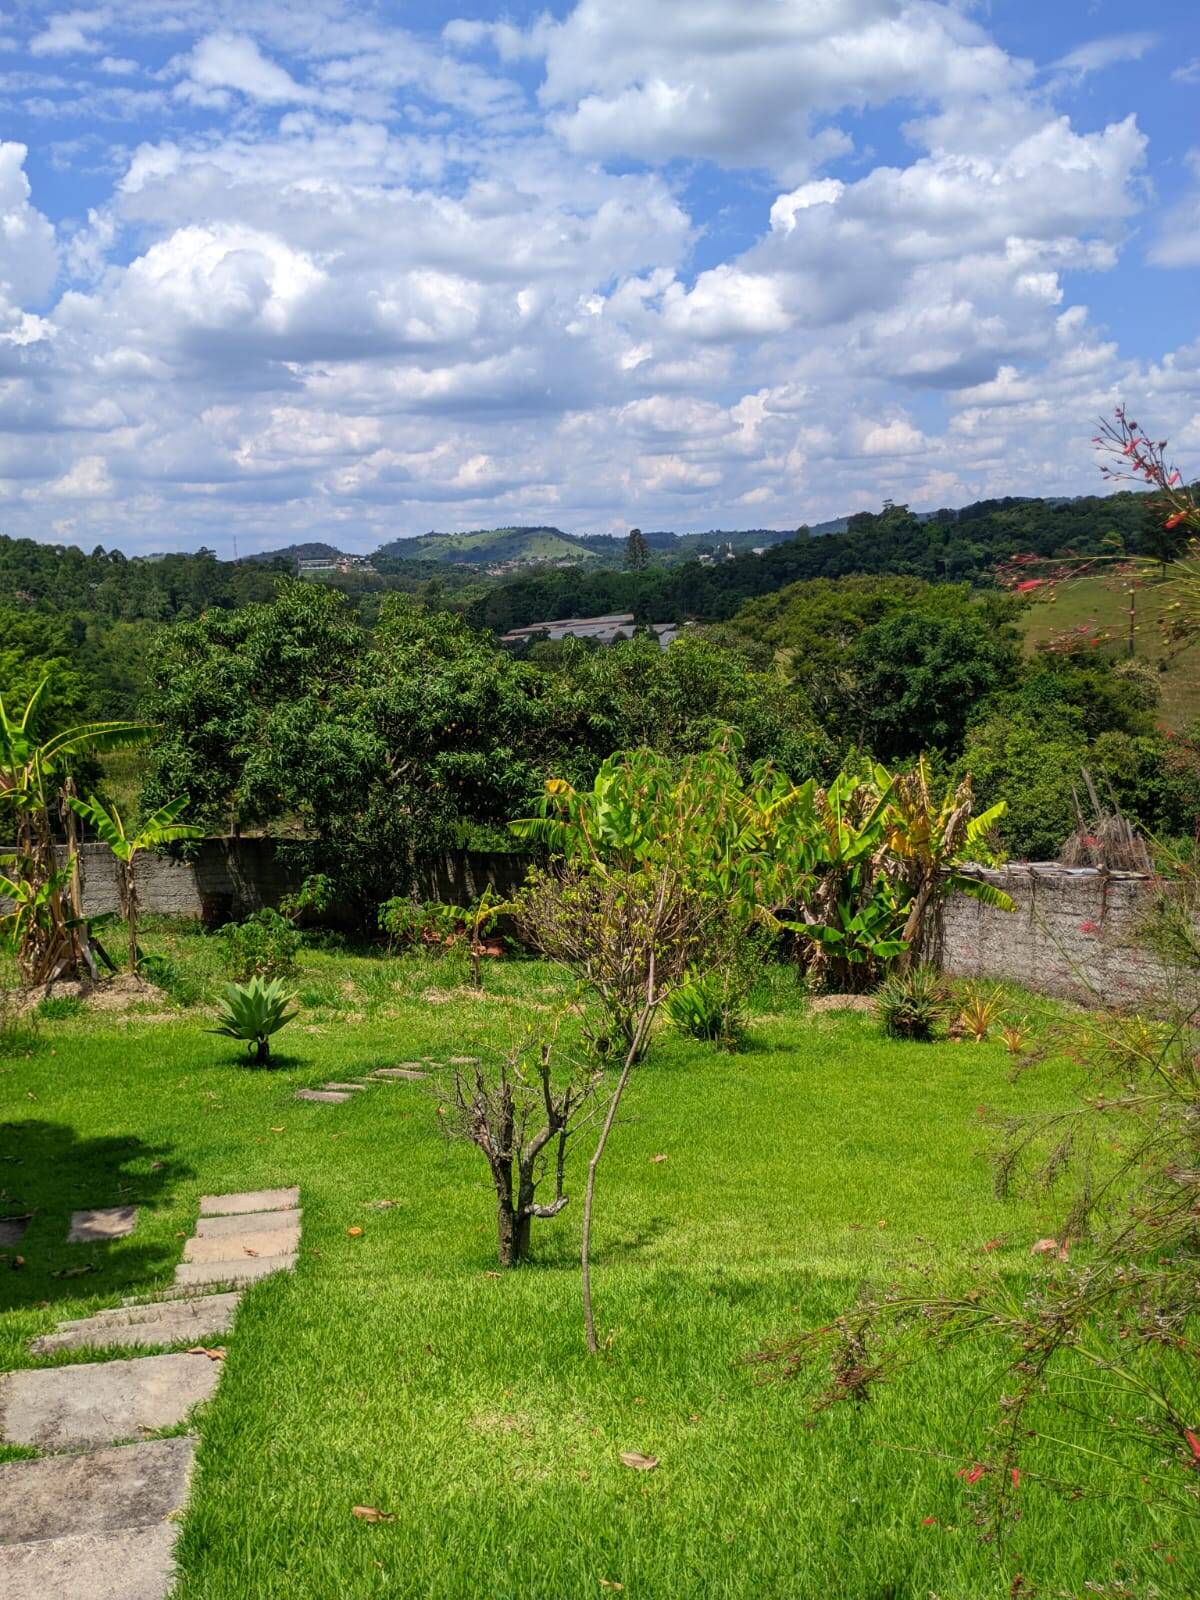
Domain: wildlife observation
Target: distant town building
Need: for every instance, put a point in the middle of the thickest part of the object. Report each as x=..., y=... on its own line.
x=340, y=564
x=605, y=630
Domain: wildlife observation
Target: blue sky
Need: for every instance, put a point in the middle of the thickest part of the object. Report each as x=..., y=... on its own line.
x=274, y=271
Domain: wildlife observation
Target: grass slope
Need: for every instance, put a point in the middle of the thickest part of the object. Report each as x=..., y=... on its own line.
x=395, y=1369
x=488, y=545
x=1102, y=604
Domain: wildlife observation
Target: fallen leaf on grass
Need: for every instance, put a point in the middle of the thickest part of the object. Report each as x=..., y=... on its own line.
x=638, y=1462
x=278, y=1130
x=14, y=1262
x=213, y=1352
x=72, y=1272
x=372, y=1514
x=611, y=1583
x=493, y=1274
x=658, y=1158
x=1045, y=1247
x=354, y=1233
x=992, y=1244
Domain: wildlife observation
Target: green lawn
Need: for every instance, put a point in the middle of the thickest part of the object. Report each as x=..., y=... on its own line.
x=1103, y=603
x=397, y=1370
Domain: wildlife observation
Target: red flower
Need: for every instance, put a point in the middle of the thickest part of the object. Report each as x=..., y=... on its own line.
x=973, y=1473
x=1194, y=1441
x=1016, y=1477
x=1173, y=522
x=1031, y=583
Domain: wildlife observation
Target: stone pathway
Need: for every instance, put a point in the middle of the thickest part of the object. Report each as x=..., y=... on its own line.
x=95, y=1226
x=99, y=1523
x=338, y=1093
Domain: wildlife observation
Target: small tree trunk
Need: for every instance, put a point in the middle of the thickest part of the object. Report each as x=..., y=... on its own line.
x=131, y=914
x=262, y=1052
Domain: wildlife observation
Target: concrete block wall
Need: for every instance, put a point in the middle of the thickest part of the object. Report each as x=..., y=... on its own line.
x=229, y=878
x=1075, y=934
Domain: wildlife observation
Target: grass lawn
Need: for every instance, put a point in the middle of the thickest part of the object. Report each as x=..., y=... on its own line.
x=396, y=1369
x=1103, y=603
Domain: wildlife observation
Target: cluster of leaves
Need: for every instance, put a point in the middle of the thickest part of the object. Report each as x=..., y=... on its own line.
x=263, y=945
x=380, y=750
x=255, y=1011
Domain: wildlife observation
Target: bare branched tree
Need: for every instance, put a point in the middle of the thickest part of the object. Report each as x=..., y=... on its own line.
x=523, y=1121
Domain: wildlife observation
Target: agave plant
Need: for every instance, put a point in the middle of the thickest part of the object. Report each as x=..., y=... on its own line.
x=254, y=1012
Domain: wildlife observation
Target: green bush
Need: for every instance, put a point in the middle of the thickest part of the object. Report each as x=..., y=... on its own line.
x=254, y=1011
x=910, y=1005
x=710, y=1006
x=409, y=922
x=265, y=945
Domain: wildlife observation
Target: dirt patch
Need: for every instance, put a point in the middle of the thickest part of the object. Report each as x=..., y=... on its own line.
x=121, y=993
x=842, y=1002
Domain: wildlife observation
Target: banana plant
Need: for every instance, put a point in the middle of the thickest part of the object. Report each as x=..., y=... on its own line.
x=162, y=827
x=929, y=837
x=255, y=1012
x=51, y=936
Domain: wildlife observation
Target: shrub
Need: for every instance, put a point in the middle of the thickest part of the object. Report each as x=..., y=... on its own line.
x=710, y=1006
x=911, y=1004
x=978, y=1012
x=254, y=1011
x=313, y=898
x=431, y=923
x=265, y=945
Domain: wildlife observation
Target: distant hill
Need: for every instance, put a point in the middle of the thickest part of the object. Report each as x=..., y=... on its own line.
x=487, y=547
x=292, y=553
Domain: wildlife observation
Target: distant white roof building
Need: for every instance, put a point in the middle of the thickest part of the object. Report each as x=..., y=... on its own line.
x=605, y=630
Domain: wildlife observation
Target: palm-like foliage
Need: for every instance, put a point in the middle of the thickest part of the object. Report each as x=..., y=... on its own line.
x=46, y=928
x=161, y=827
x=255, y=1011
x=930, y=837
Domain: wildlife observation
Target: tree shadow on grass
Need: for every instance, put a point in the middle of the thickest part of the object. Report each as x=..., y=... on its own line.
x=46, y=1172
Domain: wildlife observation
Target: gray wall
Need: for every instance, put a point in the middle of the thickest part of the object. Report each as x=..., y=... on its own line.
x=231, y=877
x=1075, y=933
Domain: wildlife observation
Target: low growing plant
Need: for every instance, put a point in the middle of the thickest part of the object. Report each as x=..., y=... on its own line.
x=910, y=1005
x=979, y=1010
x=710, y=1006
x=264, y=945
x=255, y=1012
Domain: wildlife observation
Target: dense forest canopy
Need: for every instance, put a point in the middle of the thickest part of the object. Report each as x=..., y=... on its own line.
x=375, y=715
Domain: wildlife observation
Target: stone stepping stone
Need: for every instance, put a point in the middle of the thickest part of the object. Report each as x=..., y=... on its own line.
x=98, y=1224
x=345, y=1088
x=183, y=1320
x=260, y=1221
x=250, y=1242
x=99, y=1491
x=394, y=1074
x=66, y=1408
x=247, y=1269
x=130, y=1564
x=225, y=1205
x=464, y=1061
x=328, y=1097
x=12, y=1229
